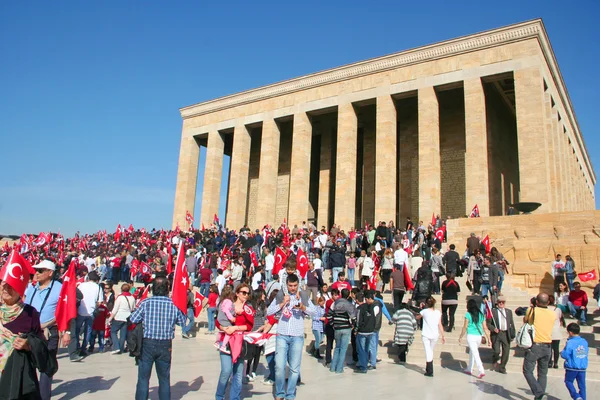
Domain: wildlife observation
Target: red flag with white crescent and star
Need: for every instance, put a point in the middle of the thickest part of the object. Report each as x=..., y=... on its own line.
x=16, y=271
x=135, y=267
x=144, y=295
x=180, y=281
x=66, y=308
x=440, y=233
x=198, y=299
x=302, y=263
x=373, y=279
x=474, y=212
x=280, y=258
x=254, y=259
x=588, y=276
x=433, y=220
x=487, y=244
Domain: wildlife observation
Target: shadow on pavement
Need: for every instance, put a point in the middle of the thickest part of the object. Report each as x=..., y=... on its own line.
x=78, y=387
x=179, y=389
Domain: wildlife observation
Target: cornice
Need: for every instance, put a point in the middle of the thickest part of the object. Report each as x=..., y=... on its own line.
x=444, y=49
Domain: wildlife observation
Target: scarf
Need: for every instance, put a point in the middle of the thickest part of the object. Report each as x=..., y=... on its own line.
x=7, y=315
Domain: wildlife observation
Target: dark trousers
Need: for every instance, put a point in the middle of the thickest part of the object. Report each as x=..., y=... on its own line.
x=403, y=348
x=252, y=364
x=354, y=347
x=397, y=296
x=45, y=380
x=555, y=352
x=501, y=348
x=448, y=311
x=476, y=282
x=329, y=334
x=154, y=352
x=538, y=354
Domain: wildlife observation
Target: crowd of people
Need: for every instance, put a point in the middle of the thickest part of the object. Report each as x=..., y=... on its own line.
x=260, y=288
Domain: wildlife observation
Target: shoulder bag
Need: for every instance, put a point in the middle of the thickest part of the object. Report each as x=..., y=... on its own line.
x=526, y=334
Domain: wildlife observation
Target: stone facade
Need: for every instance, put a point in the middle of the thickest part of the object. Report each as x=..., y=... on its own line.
x=483, y=119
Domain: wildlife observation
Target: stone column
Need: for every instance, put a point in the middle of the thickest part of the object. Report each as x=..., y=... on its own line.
x=385, y=160
x=430, y=193
x=529, y=99
x=187, y=175
x=267, y=179
x=238, y=177
x=300, y=169
x=554, y=154
x=476, y=155
x=560, y=150
x=345, y=172
x=211, y=191
x=324, y=176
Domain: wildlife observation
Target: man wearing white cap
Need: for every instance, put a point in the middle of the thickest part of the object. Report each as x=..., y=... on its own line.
x=43, y=296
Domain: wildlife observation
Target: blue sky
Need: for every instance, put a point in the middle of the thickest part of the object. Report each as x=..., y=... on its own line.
x=90, y=91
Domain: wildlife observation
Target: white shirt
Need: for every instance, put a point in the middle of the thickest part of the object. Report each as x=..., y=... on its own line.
x=431, y=322
x=368, y=266
x=89, y=262
x=255, y=279
x=269, y=262
x=318, y=263
x=400, y=257
x=323, y=239
x=220, y=281
x=123, y=307
x=92, y=294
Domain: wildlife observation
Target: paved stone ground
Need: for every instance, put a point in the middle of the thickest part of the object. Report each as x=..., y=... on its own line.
x=196, y=368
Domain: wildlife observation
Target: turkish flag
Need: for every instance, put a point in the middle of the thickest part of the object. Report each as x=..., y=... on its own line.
x=130, y=229
x=169, y=257
x=42, y=240
x=216, y=221
x=180, y=281
x=135, y=267
x=203, y=228
x=198, y=299
x=145, y=269
x=225, y=251
x=486, y=243
x=588, y=276
x=433, y=220
x=373, y=279
x=302, y=263
x=188, y=217
x=439, y=233
x=254, y=259
x=16, y=272
x=66, y=309
x=280, y=258
x=408, y=283
x=474, y=212
x=117, y=234
x=144, y=295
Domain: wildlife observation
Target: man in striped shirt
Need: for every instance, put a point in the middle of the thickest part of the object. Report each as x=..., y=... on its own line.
x=159, y=316
x=290, y=334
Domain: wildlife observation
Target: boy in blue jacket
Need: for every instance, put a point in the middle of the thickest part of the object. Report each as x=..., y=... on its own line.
x=575, y=354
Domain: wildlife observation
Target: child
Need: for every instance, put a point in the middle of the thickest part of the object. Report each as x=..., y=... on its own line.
x=317, y=327
x=351, y=263
x=225, y=318
x=213, y=296
x=575, y=354
x=98, y=327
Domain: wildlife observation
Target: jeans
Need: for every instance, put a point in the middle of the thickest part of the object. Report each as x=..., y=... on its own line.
x=485, y=289
x=271, y=364
x=156, y=352
x=342, y=338
x=336, y=271
x=268, y=276
x=211, y=318
x=214, y=273
x=235, y=371
x=102, y=270
x=288, y=351
x=191, y=321
x=318, y=337
x=474, y=341
x=364, y=343
x=570, y=279
x=204, y=288
x=350, y=272
x=83, y=324
x=192, y=277
x=538, y=354
x=119, y=327
x=570, y=377
x=573, y=309
x=501, y=279
x=125, y=276
x=100, y=336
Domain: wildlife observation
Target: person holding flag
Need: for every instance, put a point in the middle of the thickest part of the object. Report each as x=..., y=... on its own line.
x=20, y=330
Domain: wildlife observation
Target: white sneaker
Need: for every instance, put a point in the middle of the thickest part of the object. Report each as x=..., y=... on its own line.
x=115, y=352
x=253, y=376
x=268, y=382
x=250, y=378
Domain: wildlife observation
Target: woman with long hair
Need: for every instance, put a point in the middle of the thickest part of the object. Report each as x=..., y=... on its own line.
x=562, y=297
x=570, y=268
x=450, y=291
x=260, y=322
x=232, y=366
x=557, y=331
x=475, y=329
x=387, y=265
x=437, y=266
x=431, y=331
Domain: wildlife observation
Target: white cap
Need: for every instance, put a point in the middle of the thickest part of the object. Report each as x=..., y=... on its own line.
x=46, y=264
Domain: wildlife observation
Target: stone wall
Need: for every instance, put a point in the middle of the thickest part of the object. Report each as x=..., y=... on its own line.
x=452, y=152
x=530, y=242
x=408, y=129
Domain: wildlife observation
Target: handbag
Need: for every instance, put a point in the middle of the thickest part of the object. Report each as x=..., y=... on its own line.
x=526, y=334
x=483, y=338
x=469, y=286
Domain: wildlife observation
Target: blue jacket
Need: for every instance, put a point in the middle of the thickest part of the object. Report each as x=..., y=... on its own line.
x=575, y=353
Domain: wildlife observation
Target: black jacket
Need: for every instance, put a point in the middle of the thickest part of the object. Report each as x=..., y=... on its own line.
x=492, y=323
x=365, y=319
x=337, y=257
x=19, y=380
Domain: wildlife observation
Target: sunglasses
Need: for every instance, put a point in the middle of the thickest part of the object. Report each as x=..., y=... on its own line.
x=501, y=302
x=244, y=292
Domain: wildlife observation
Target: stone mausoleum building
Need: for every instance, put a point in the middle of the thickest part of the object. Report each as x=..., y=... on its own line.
x=483, y=119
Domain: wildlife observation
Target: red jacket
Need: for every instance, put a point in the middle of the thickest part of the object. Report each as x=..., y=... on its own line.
x=341, y=285
x=578, y=298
